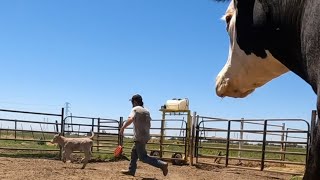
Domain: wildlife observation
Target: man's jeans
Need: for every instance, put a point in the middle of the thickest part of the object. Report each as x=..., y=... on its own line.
x=139, y=151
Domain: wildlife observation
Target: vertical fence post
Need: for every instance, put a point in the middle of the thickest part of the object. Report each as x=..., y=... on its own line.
x=15, y=130
x=241, y=138
x=188, y=136
x=98, y=135
x=196, y=152
x=62, y=121
x=228, y=143
x=120, y=137
x=57, y=127
x=62, y=131
x=194, y=117
x=283, y=149
x=311, y=133
x=264, y=144
x=162, y=132
x=313, y=123
x=92, y=129
x=92, y=125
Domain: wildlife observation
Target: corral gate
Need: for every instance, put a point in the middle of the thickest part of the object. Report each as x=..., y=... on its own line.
x=257, y=144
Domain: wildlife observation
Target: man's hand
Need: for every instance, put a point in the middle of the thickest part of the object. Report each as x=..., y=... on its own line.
x=121, y=131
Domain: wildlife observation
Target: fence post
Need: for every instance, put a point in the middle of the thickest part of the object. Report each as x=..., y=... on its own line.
x=313, y=123
x=62, y=121
x=98, y=135
x=120, y=137
x=197, y=139
x=192, y=137
x=15, y=130
x=228, y=143
x=71, y=122
x=162, y=132
x=92, y=129
x=241, y=138
x=57, y=127
x=311, y=133
x=283, y=156
x=62, y=131
x=264, y=144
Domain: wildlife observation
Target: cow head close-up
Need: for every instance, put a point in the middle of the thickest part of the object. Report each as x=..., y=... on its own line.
x=249, y=64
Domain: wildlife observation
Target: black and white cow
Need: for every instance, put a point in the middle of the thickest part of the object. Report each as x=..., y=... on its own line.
x=267, y=39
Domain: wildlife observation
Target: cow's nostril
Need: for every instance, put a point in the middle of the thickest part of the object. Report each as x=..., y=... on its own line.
x=236, y=91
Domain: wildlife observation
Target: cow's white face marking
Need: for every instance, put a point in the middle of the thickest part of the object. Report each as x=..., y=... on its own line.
x=243, y=73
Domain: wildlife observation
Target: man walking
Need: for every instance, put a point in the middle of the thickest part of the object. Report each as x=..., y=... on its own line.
x=140, y=117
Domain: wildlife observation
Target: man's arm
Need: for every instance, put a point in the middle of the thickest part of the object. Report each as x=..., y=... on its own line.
x=126, y=124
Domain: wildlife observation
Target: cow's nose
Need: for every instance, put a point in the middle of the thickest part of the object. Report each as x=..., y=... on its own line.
x=221, y=86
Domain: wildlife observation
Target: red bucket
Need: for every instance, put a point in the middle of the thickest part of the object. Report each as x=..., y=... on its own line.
x=118, y=151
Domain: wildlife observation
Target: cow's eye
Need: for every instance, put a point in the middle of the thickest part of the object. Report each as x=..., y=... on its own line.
x=228, y=19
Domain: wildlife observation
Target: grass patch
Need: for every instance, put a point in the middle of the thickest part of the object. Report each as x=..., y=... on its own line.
x=297, y=178
x=31, y=155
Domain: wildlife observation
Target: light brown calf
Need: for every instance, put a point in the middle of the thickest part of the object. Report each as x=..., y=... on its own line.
x=74, y=144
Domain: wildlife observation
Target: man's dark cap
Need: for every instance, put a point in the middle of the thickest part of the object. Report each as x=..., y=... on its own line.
x=136, y=97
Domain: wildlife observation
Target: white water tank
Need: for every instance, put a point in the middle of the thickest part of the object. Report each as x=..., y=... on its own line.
x=177, y=104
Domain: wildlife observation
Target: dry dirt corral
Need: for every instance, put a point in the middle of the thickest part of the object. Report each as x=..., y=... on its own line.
x=27, y=169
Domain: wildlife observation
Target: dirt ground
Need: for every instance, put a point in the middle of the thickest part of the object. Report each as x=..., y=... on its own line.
x=27, y=169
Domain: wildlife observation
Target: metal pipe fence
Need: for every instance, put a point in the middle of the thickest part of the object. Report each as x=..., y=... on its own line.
x=29, y=135
x=244, y=143
x=216, y=143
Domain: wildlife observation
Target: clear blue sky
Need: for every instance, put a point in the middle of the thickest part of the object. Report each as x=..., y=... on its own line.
x=97, y=54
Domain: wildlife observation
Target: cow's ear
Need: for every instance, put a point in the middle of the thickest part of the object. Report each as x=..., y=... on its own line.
x=60, y=134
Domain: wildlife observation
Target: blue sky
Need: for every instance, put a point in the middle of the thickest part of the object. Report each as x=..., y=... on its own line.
x=97, y=54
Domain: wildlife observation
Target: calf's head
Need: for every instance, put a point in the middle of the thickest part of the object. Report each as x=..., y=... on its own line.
x=56, y=138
